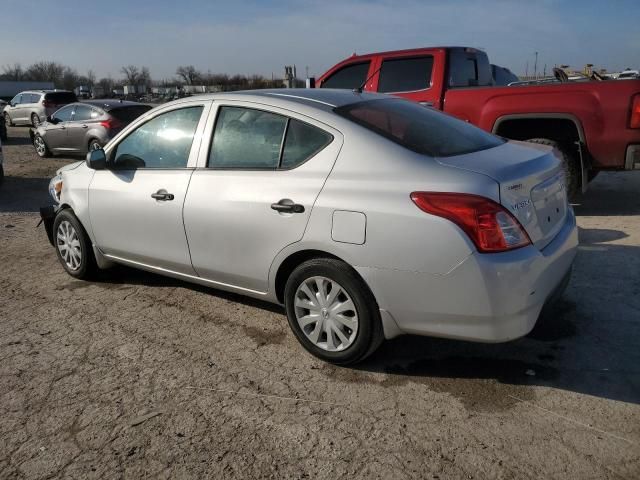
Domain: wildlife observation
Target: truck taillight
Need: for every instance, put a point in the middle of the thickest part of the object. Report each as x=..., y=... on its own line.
x=634, y=120
x=488, y=224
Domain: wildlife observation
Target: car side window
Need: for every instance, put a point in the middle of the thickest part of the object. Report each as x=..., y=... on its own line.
x=83, y=113
x=35, y=97
x=302, y=142
x=16, y=100
x=64, y=114
x=351, y=76
x=162, y=142
x=405, y=74
x=247, y=138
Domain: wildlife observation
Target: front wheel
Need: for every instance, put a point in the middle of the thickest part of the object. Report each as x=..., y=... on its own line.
x=332, y=312
x=35, y=120
x=41, y=147
x=7, y=120
x=73, y=246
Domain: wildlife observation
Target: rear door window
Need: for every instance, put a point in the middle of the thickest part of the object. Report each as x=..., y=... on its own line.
x=162, y=142
x=405, y=74
x=82, y=113
x=247, y=138
x=350, y=77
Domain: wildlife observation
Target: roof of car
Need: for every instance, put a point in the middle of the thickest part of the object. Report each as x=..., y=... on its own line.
x=110, y=103
x=321, y=98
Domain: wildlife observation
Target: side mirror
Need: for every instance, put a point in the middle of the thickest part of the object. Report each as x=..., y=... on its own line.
x=97, y=159
x=13, y=104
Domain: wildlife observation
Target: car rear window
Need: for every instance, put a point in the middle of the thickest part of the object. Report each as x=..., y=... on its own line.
x=61, y=98
x=420, y=129
x=128, y=114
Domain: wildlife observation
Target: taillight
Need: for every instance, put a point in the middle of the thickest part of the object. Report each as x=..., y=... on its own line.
x=634, y=120
x=112, y=123
x=488, y=224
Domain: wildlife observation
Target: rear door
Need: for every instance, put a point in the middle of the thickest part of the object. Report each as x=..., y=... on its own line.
x=254, y=190
x=136, y=205
x=412, y=76
x=78, y=128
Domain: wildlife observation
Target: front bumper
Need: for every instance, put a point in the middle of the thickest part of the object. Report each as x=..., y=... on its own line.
x=487, y=298
x=47, y=216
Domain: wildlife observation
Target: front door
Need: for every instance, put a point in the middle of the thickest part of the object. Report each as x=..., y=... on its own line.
x=135, y=206
x=255, y=192
x=56, y=136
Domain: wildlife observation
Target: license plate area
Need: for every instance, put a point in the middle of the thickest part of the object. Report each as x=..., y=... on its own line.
x=550, y=202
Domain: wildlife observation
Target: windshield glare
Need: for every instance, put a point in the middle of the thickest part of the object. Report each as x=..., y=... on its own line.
x=420, y=129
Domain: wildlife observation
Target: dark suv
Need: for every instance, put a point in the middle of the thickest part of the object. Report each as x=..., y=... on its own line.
x=34, y=106
x=83, y=126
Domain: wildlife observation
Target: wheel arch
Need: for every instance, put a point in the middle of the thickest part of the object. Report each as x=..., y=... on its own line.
x=562, y=127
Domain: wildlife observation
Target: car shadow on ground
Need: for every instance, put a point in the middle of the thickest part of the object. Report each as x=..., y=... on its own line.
x=615, y=195
x=587, y=342
x=24, y=194
x=12, y=140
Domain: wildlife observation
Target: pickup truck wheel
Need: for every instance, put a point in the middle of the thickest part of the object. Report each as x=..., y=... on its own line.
x=569, y=162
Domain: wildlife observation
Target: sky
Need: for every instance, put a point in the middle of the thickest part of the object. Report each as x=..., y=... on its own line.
x=251, y=36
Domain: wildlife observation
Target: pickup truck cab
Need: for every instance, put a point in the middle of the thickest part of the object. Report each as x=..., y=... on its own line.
x=594, y=124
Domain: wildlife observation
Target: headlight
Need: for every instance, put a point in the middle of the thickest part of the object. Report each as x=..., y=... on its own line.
x=55, y=188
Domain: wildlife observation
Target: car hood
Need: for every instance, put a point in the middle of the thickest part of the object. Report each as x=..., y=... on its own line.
x=71, y=166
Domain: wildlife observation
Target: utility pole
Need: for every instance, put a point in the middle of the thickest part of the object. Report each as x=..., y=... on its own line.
x=526, y=70
x=535, y=67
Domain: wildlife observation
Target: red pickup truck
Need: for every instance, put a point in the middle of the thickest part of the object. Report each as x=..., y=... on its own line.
x=594, y=124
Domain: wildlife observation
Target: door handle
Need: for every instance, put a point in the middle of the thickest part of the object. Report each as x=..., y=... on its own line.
x=287, y=206
x=426, y=104
x=85, y=126
x=162, y=195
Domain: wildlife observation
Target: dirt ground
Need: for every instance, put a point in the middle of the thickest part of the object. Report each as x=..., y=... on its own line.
x=139, y=376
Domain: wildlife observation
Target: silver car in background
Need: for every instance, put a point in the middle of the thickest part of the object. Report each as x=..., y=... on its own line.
x=366, y=216
x=34, y=106
x=84, y=126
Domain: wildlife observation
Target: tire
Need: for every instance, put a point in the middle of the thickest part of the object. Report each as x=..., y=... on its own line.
x=77, y=258
x=570, y=162
x=41, y=146
x=94, y=144
x=7, y=119
x=35, y=120
x=360, y=326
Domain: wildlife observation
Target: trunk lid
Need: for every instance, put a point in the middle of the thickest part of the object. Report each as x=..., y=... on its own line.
x=532, y=184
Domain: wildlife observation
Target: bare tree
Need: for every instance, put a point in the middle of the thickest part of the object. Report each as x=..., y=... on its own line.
x=91, y=78
x=13, y=72
x=46, y=72
x=145, y=77
x=188, y=73
x=107, y=86
x=131, y=73
x=69, y=78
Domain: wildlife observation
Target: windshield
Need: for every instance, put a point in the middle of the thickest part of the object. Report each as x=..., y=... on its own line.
x=418, y=128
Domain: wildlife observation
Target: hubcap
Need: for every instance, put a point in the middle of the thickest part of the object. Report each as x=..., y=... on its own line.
x=94, y=146
x=35, y=120
x=68, y=245
x=326, y=314
x=40, y=146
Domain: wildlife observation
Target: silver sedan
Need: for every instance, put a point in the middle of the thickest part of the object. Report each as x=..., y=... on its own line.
x=366, y=216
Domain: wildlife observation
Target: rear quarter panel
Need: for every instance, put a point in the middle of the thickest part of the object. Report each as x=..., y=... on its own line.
x=601, y=110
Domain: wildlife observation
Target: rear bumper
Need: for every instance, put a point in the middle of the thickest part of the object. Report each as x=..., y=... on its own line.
x=487, y=298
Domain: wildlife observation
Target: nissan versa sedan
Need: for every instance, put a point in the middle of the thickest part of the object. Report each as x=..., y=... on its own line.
x=366, y=216
x=84, y=126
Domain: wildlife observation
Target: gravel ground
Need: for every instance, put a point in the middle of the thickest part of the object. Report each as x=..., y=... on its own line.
x=139, y=376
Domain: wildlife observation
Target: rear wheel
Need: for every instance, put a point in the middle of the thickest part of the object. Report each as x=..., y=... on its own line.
x=41, y=147
x=35, y=120
x=94, y=145
x=73, y=246
x=570, y=162
x=332, y=312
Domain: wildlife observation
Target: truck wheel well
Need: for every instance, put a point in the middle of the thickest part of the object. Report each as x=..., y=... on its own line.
x=562, y=130
x=289, y=265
